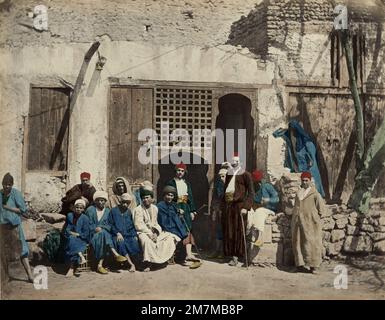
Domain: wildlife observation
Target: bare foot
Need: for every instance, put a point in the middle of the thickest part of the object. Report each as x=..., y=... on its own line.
x=70, y=272
x=82, y=259
x=132, y=269
x=192, y=258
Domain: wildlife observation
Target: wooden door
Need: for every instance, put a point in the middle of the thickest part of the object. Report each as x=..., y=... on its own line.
x=329, y=120
x=48, y=121
x=130, y=111
x=374, y=114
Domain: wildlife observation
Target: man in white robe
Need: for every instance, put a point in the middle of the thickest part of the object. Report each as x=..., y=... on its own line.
x=158, y=246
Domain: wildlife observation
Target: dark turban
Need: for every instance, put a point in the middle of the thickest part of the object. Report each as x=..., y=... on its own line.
x=7, y=179
x=169, y=189
x=145, y=192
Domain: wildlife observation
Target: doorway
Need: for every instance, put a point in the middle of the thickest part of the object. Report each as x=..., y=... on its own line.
x=235, y=113
x=197, y=176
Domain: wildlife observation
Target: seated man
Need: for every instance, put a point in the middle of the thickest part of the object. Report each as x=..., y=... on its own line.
x=123, y=230
x=266, y=200
x=77, y=233
x=143, y=185
x=85, y=190
x=120, y=186
x=158, y=246
x=169, y=219
x=100, y=235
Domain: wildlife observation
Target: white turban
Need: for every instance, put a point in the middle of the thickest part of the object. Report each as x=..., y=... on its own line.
x=80, y=201
x=100, y=194
x=126, y=197
x=222, y=171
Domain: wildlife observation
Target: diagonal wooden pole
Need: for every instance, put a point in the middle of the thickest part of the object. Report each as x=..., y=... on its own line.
x=74, y=96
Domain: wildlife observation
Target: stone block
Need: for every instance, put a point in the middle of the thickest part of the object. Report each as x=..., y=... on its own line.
x=381, y=221
x=337, y=235
x=379, y=247
x=377, y=236
x=352, y=230
x=29, y=228
x=328, y=223
x=333, y=249
x=53, y=217
x=267, y=234
x=341, y=223
x=358, y=244
x=367, y=228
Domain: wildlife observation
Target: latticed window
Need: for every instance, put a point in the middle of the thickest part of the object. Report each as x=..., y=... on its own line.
x=183, y=108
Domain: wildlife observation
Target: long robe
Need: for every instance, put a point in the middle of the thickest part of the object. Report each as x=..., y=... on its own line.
x=145, y=221
x=101, y=241
x=169, y=220
x=233, y=243
x=122, y=222
x=306, y=229
x=15, y=200
x=216, y=200
x=186, y=207
x=305, y=153
x=74, y=244
x=115, y=198
x=75, y=193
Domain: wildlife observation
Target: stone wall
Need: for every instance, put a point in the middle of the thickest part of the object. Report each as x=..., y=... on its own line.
x=251, y=31
x=345, y=231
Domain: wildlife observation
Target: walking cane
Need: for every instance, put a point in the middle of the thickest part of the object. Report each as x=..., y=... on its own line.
x=244, y=242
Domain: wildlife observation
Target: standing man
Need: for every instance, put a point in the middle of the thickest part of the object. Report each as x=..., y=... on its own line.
x=12, y=206
x=306, y=226
x=238, y=200
x=185, y=204
x=216, y=213
x=85, y=190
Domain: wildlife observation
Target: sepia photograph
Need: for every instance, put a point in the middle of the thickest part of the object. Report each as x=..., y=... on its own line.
x=193, y=150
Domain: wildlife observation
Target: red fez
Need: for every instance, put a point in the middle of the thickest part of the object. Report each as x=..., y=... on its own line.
x=257, y=175
x=306, y=174
x=181, y=166
x=236, y=154
x=85, y=175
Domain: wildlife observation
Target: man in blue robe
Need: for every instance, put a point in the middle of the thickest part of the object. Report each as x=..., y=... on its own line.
x=12, y=205
x=301, y=152
x=77, y=234
x=186, y=205
x=124, y=235
x=101, y=240
x=169, y=220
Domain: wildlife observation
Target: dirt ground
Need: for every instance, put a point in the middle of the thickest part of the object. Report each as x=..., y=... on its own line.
x=213, y=280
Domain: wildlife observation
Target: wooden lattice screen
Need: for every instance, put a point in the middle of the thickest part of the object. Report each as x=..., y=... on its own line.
x=183, y=108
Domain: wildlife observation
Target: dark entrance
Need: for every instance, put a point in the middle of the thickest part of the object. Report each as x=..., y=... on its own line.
x=235, y=113
x=197, y=176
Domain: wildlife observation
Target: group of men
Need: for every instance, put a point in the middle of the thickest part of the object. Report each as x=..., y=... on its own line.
x=128, y=225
